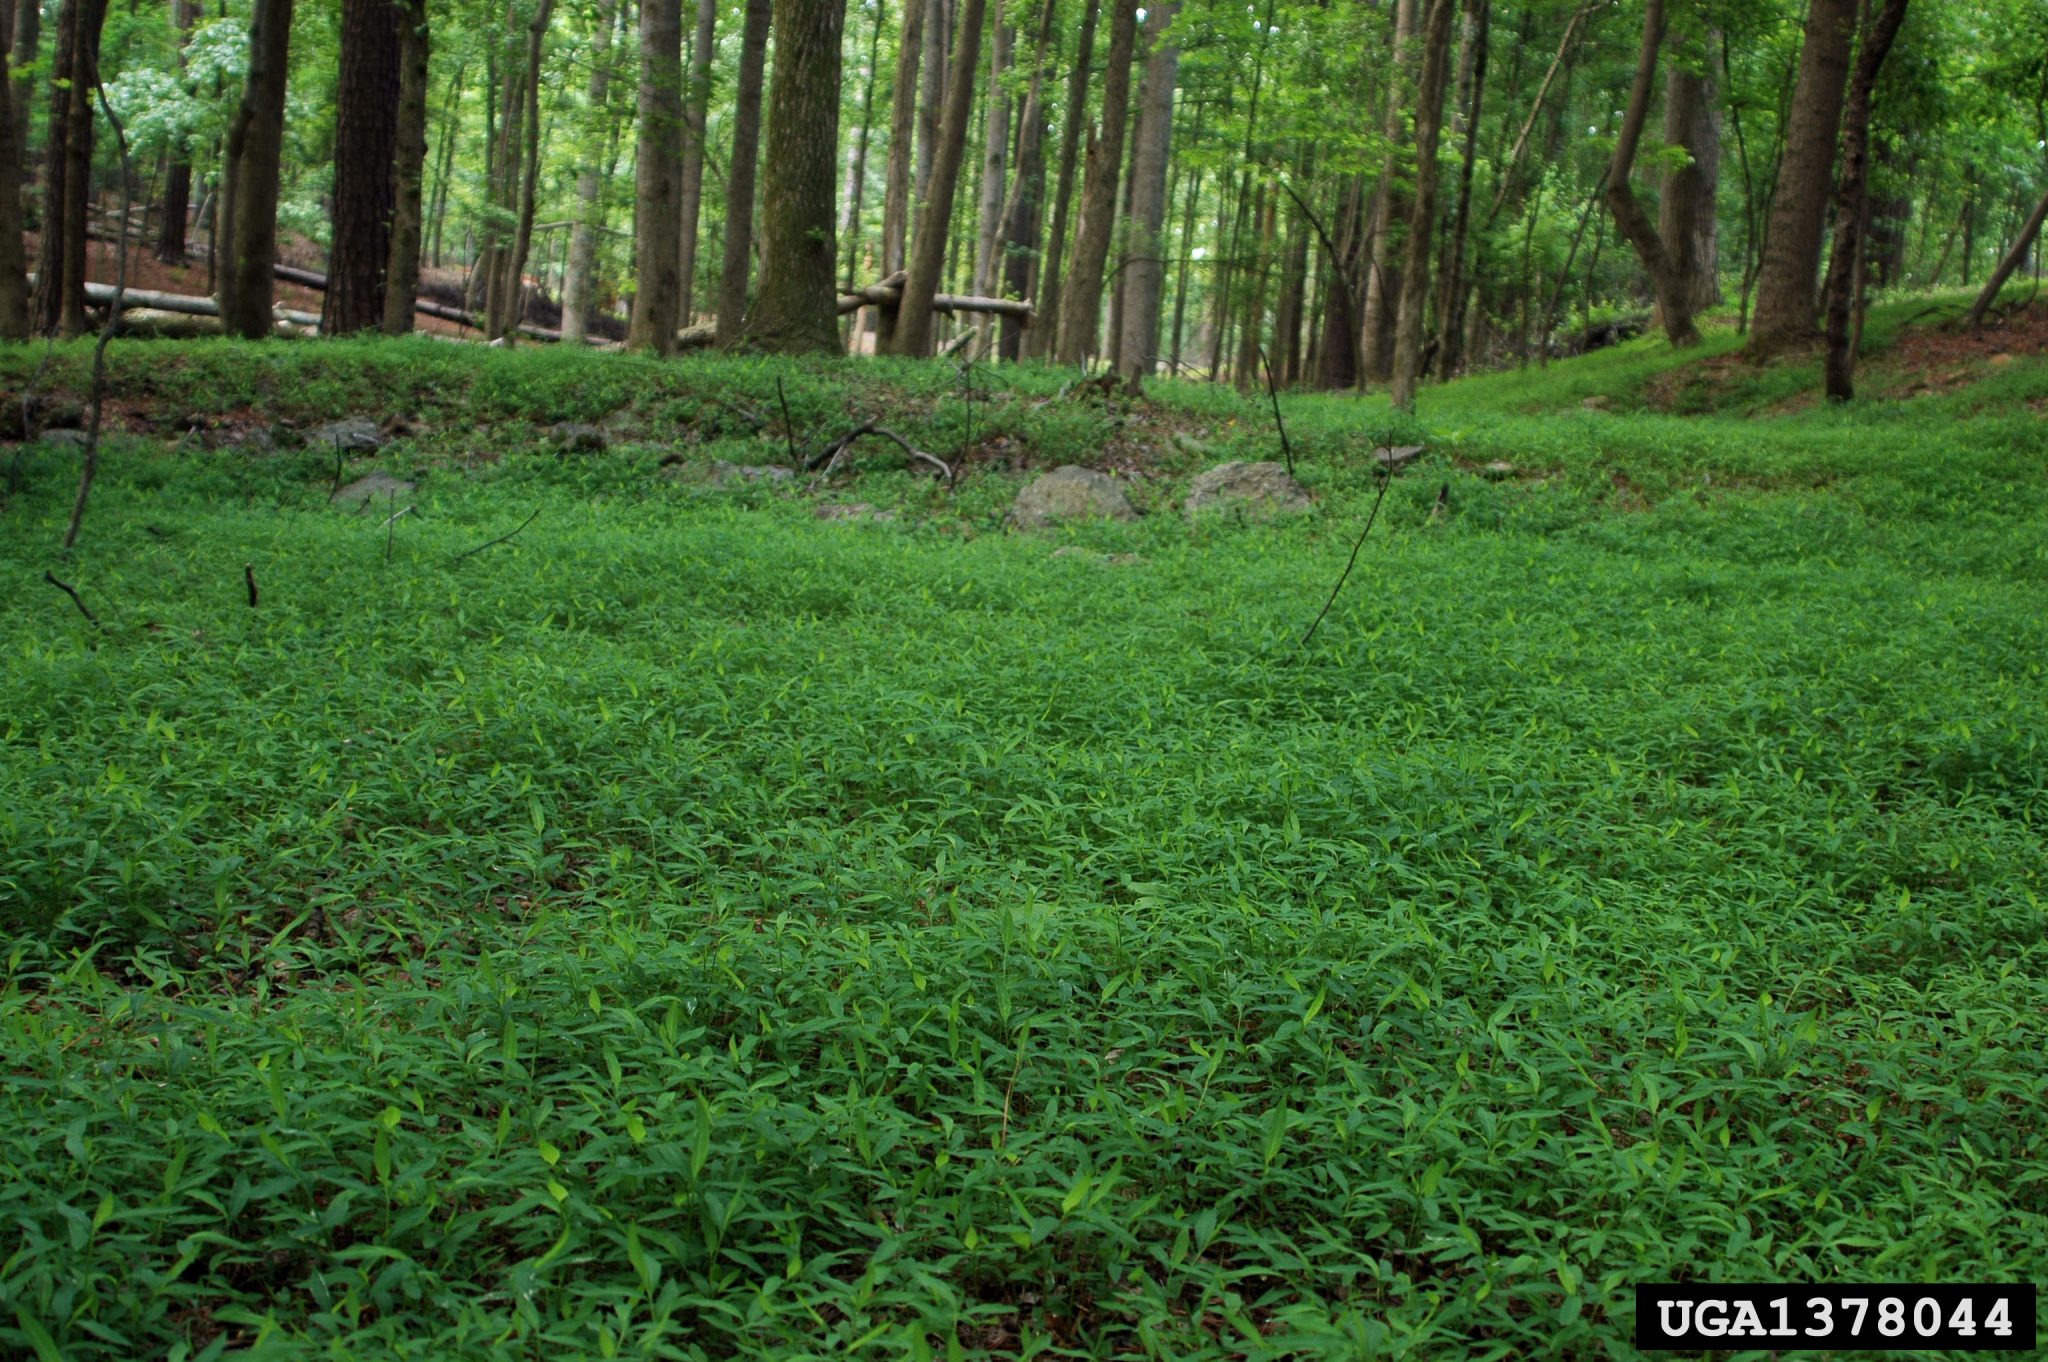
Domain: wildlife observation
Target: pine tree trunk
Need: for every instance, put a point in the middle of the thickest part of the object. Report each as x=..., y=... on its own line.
x=578, y=274
x=255, y=145
x=1844, y=280
x=1081, y=294
x=1145, y=265
x=1687, y=217
x=697, y=99
x=797, y=308
x=365, y=136
x=1045, y=327
x=657, y=191
x=1429, y=117
x=1791, y=265
x=928, y=250
x=740, y=174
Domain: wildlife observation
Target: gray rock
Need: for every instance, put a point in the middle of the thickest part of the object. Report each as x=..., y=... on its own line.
x=1258, y=491
x=1399, y=456
x=375, y=487
x=576, y=437
x=727, y=474
x=1069, y=493
x=254, y=440
x=852, y=510
x=1499, y=468
x=352, y=435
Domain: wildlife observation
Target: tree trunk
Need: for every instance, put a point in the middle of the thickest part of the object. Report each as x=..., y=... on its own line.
x=928, y=250
x=170, y=241
x=856, y=191
x=1145, y=267
x=25, y=41
x=512, y=292
x=658, y=295
x=1081, y=298
x=739, y=177
x=1791, y=264
x=697, y=99
x=797, y=308
x=1390, y=205
x=58, y=304
x=255, y=143
x=902, y=135
x=1453, y=298
x=1688, y=220
x=1845, y=276
x=1337, y=364
x=1673, y=288
x=1429, y=117
x=1044, y=331
x=1251, y=331
x=995, y=150
x=931, y=94
x=1020, y=210
x=13, y=267
x=2007, y=264
x=365, y=137
x=578, y=274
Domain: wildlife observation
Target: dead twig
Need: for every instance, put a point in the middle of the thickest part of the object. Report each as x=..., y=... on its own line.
x=1273, y=394
x=829, y=457
x=491, y=544
x=788, y=426
x=335, y=490
x=1386, y=477
x=390, y=525
x=90, y=467
x=72, y=592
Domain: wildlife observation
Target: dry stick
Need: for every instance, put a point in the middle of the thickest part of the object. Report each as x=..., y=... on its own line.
x=72, y=592
x=249, y=580
x=1386, y=476
x=832, y=453
x=788, y=426
x=391, y=526
x=335, y=490
x=495, y=542
x=99, y=353
x=1272, y=393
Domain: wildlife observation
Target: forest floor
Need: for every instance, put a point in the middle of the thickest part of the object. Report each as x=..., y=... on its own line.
x=692, y=927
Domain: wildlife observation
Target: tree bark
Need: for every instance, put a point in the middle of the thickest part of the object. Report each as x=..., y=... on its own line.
x=796, y=310
x=931, y=95
x=13, y=267
x=740, y=174
x=365, y=137
x=1687, y=217
x=1454, y=297
x=995, y=151
x=1429, y=115
x=1844, y=281
x=928, y=250
x=408, y=164
x=1673, y=288
x=1791, y=263
x=1081, y=295
x=26, y=40
x=1020, y=209
x=512, y=287
x=1145, y=267
x=902, y=136
x=2009, y=262
x=697, y=99
x=578, y=274
x=1045, y=332
x=857, y=178
x=58, y=304
x=177, y=205
x=658, y=294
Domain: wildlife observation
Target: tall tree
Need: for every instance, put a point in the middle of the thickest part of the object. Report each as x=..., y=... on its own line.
x=58, y=305
x=408, y=165
x=26, y=40
x=658, y=293
x=1020, y=206
x=13, y=276
x=177, y=202
x=1081, y=300
x=510, y=293
x=995, y=151
x=1687, y=218
x=1453, y=295
x=1045, y=328
x=796, y=309
x=856, y=186
x=1845, y=267
x=1674, y=288
x=928, y=248
x=1429, y=114
x=902, y=134
x=365, y=138
x=696, y=101
x=578, y=275
x=1145, y=267
x=255, y=147
x=739, y=179
x=1791, y=258
x=1389, y=210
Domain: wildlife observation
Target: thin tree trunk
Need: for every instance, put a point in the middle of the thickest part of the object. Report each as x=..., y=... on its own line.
x=857, y=185
x=409, y=157
x=928, y=249
x=1688, y=220
x=1390, y=206
x=896, y=174
x=740, y=174
x=1020, y=209
x=170, y=241
x=1843, y=290
x=657, y=191
x=255, y=145
x=1145, y=270
x=1185, y=254
x=365, y=137
x=13, y=266
x=26, y=40
x=931, y=94
x=1429, y=116
x=696, y=100
x=578, y=272
x=1791, y=266
x=1455, y=294
x=797, y=309
x=1673, y=288
x=995, y=151
x=58, y=304
x=1081, y=303
x=444, y=160
x=1044, y=331
x=514, y=293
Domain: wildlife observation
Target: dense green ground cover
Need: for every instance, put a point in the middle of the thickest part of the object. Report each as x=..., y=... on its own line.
x=693, y=929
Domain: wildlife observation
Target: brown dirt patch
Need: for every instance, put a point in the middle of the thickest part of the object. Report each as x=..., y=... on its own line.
x=1942, y=358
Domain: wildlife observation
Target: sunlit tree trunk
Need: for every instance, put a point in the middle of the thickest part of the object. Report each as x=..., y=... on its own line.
x=1791, y=263
x=1429, y=116
x=696, y=100
x=928, y=248
x=1145, y=268
x=578, y=274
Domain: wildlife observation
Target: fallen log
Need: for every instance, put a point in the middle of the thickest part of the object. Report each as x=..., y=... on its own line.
x=889, y=293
